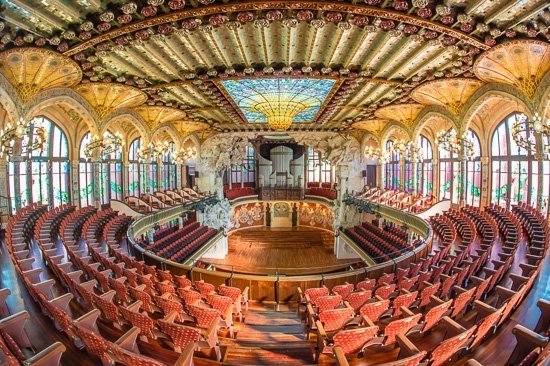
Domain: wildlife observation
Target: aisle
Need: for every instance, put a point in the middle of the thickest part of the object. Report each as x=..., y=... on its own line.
x=268, y=337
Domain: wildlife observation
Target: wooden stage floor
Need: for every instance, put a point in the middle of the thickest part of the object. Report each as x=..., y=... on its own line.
x=289, y=251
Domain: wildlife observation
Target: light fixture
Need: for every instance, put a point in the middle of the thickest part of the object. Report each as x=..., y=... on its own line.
x=153, y=151
x=184, y=154
x=279, y=113
x=458, y=145
x=20, y=132
x=104, y=146
x=376, y=154
x=524, y=130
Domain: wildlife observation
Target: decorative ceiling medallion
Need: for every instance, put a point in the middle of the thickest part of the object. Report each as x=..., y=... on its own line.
x=521, y=63
x=374, y=126
x=33, y=70
x=449, y=93
x=404, y=113
x=279, y=101
x=107, y=97
x=155, y=115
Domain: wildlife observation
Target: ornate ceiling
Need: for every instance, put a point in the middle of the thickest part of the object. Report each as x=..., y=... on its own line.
x=178, y=54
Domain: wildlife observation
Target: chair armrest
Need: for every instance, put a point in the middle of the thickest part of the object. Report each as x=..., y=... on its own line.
x=406, y=347
x=503, y=294
x=135, y=306
x=527, y=269
x=50, y=356
x=452, y=327
x=341, y=359
x=186, y=356
x=472, y=362
x=108, y=296
x=368, y=321
x=211, y=335
x=62, y=302
x=483, y=310
x=89, y=320
x=128, y=340
x=527, y=336
x=517, y=281
x=14, y=325
x=406, y=311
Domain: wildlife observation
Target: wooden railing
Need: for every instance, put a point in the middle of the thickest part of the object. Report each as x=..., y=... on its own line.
x=277, y=287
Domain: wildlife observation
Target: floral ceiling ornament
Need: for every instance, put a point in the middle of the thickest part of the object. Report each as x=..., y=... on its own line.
x=220, y=152
x=335, y=147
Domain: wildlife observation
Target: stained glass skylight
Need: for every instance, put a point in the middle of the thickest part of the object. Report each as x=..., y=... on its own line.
x=262, y=100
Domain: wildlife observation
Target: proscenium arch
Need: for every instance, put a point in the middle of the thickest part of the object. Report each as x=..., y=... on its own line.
x=125, y=114
x=430, y=113
x=64, y=96
x=492, y=91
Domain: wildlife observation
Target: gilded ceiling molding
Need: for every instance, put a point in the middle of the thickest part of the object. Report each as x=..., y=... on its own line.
x=430, y=113
x=521, y=63
x=128, y=115
x=283, y=5
x=67, y=96
x=9, y=99
x=32, y=70
x=494, y=91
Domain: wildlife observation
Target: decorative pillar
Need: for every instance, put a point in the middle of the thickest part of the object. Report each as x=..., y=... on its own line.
x=242, y=173
x=401, y=173
x=96, y=169
x=229, y=178
x=435, y=176
x=160, y=184
x=414, y=168
x=5, y=206
x=74, y=181
x=125, y=179
x=380, y=176
x=485, y=189
x=462, y=177
x=179, y=176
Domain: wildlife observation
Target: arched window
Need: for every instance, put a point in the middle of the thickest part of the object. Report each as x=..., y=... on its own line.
x=168, y=169
x=515, y=170
x=473, y=172
x=392, y=168
x=134, y=169
x=110, y=176
x=313, y=163
x=44, y=176
x=425, y=169
x=85, y=174
x=449, y=169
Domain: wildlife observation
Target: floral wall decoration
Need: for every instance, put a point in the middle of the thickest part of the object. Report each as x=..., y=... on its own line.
x=247, y=215
x=221, y=151
x=335, y=147
x=316, y=215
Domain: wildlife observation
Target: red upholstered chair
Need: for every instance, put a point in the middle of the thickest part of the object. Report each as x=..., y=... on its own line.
x=449, y=347
x=327, y=302
x=374, y=309
x=462, y=300
x=138, y=293
x=145, y=324
x=312, y=294
x=108, y=308
x=235, y=295
x=367, y=284
x=399, y=326
x=343, y=290
x=385, y=291
x=404, y=300
x=204, y=288
x=94, y=343
x=350, y=341
x=357, y=299
x=336, y=319
x=182, y=335
x=181, y=281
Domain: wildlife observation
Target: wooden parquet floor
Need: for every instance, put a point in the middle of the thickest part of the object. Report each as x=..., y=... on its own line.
x=289, y=251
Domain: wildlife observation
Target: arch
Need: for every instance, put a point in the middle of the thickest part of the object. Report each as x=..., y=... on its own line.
x=63, y=96
x=392, y=127
x=171, y=131
x=489, y=92
x=195, y=139
x=369, y=137
x=9, y=99
x=429, y=114
x=542, y=96
x=122, y=115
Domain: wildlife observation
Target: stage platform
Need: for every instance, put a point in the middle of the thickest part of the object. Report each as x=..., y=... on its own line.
x=287, y=251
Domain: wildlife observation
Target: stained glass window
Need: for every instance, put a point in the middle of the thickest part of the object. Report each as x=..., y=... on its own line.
x=134, y=169
x=44, y=176
x=313, y=163
x=85, y=175
x=449, y=175
x=258, y=97
x=515, y=171
x=168, y=169
x=473, y=173
x=425, y=169
x=245, y=172
x=392, y=168
x=110, y=176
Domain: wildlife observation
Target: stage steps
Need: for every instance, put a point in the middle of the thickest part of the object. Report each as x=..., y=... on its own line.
x=269, y=337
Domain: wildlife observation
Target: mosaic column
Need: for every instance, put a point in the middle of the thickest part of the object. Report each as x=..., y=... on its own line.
x=485, y=189
x=414, y=182
x=96, y=169
x=401, y=173
x=74, y=180
x=179, y=176
x=125, y=179
x=5, y=204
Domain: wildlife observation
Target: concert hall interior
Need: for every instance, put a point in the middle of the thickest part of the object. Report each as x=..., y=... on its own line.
x=274, y=182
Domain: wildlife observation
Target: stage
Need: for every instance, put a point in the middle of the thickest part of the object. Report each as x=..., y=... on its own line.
x=287, y=251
